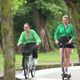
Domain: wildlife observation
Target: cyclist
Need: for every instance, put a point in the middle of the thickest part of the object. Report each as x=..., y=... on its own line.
x=65, y=34
x=27, y=36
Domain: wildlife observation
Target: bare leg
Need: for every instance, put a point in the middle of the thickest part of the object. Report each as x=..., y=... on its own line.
x=67, y=56
x=61, y=57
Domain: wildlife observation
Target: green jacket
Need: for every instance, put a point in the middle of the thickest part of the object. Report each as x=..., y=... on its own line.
x=62, y=31
x=24, y=38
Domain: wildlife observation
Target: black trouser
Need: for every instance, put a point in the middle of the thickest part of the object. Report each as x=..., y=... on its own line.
x=34, y=53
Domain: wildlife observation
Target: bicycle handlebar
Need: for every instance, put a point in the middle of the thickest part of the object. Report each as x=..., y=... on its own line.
x=63, y=44
x=28, y=48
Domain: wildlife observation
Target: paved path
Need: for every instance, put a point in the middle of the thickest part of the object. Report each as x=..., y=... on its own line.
x=51, y=74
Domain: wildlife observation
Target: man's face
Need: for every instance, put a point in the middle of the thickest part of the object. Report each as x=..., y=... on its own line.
x=26, y=27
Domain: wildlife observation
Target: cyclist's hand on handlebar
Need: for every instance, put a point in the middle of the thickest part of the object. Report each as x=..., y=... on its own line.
x=56, y=42
x=70, y=41
x=37, y=46
x=19, y=47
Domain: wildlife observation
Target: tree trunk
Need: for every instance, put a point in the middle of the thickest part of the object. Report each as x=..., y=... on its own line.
x=7, y=40
x=40, y=23
x=0, y=22
x=74, y=6
x=0, y=9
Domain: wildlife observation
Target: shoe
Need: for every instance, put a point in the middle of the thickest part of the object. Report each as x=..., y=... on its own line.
x=35, y=61
x=67, y=75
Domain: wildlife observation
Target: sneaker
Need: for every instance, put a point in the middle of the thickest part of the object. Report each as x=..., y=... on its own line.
x=35, y=61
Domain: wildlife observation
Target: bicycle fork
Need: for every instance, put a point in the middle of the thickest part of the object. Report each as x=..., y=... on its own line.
x=63, y=72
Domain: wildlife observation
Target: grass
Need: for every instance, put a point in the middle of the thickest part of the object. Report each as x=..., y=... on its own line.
x=1, y=61
x=43, y=58
x=54, y=57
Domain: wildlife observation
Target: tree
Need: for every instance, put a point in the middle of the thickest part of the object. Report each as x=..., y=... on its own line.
x=0, y=10
x=74, y=8
x=0, y=25
x=7, y=40
x=42, y=12
x=39, y=13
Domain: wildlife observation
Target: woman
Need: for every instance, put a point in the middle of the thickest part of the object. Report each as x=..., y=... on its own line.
x=65, y=35
x=27, y=36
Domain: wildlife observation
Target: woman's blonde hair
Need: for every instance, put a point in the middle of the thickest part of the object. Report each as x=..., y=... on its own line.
x=65, y=16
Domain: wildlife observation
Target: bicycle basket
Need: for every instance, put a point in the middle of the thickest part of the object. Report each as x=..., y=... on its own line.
x=26, y=51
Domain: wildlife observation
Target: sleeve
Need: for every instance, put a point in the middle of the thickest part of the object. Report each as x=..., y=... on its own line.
x=73, y=34
x=56, y=34
x=37, y=38
x=21, y=39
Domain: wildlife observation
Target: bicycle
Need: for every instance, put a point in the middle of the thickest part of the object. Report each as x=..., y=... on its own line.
x=68, y=76
x=28, y=64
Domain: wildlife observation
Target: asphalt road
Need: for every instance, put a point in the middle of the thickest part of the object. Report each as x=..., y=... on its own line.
x=51, y=74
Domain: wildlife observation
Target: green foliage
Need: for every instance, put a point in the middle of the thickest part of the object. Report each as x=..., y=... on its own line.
x=48, y=7
x=52, y=10
x=17, y=4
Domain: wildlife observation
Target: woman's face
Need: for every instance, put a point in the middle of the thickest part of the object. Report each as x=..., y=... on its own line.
x=26, y=27
x=65, y=21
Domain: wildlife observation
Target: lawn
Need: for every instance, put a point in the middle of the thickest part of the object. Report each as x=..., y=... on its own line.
x=43, y=58
x=1, y=61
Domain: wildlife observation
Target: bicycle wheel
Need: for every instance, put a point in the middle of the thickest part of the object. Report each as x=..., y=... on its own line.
x=33, y=71
x=26, y=69
x=63, y=74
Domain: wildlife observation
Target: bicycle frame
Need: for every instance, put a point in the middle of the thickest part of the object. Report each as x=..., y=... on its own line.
x=28, y=66
x=63, y=63
x=28, y=62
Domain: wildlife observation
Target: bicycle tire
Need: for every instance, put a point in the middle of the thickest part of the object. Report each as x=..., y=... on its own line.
x=33, y=71
x=62, y=78
x=63, y=74
x=26, y=73
x=26, y=69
